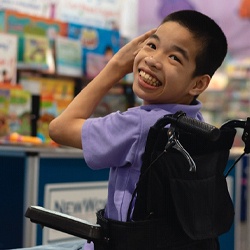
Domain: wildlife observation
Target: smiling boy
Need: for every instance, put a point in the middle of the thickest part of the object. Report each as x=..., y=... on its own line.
x=172, y=65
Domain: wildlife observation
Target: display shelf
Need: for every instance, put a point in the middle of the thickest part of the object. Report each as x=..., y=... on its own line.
x=213, y=106
x=237, y=98
x=230, y=101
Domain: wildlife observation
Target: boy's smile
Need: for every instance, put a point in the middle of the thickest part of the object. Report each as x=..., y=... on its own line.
x=149, y=79
x=164, y=67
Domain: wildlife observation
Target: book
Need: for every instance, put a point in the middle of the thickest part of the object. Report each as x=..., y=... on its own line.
x=8, y=58
x=95, y=63
x=36, y=49
x=68, y=56
x=15, y=110
x=19, y=116
x=4, y=106
x=101, y=44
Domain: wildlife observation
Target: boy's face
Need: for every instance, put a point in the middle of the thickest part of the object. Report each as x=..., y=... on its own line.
x=164, y=67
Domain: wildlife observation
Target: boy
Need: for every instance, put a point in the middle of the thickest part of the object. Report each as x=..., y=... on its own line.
x=172, y=65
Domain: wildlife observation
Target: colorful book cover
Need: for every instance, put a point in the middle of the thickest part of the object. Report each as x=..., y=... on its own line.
x=4, y=99
x=15, y=110
x=2, y=21
x=95, y=63
x=4, y=106
x=56, y=94
x=8, y=58
x=97, y=41
x=68, y=56
x=36, y=50
x=20, y=111
x=59, y=91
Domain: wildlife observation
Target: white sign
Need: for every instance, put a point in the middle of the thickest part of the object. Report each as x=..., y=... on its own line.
x=97, y=13
x=81, y=200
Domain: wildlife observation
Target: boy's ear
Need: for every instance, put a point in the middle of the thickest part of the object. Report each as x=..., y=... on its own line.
x=200, y=85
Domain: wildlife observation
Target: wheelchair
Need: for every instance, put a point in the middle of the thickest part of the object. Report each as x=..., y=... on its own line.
x=181, y=200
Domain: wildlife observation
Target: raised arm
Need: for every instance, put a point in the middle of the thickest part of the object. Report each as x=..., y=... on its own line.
x=66, y=128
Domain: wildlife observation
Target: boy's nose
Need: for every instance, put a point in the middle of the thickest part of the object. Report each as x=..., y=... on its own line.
x=151, y=61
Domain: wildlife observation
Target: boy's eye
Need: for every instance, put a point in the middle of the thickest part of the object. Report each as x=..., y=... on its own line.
x=174, y=58
x=151, y=45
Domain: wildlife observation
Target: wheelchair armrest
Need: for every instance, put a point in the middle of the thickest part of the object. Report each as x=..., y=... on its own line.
x=64, y=223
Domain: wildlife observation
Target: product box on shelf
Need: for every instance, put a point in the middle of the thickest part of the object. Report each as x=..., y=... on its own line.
x=68, y=56
x=36, y=52
x=8, y=58
x=98, y=46
x=15, y=110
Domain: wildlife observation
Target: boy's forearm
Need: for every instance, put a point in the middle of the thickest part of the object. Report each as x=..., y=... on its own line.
x=84, y=104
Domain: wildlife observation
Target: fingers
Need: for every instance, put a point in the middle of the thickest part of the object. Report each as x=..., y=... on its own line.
x=149, y=33
x=141, y=40
x=146, y=35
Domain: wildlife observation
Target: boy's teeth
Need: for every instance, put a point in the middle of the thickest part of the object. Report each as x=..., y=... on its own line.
x=149, y=79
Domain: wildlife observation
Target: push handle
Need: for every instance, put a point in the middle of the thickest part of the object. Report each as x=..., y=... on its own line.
x=191, y=125
x=195, y=126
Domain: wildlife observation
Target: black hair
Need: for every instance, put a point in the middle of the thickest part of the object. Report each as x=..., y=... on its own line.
x=212, y=39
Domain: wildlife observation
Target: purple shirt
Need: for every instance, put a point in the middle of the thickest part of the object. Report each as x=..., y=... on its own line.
x=117, y=141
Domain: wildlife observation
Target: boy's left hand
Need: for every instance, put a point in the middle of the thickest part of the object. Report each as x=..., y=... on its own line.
x=124, y=58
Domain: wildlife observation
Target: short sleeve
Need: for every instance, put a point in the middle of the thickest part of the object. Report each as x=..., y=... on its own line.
x=111, y=141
